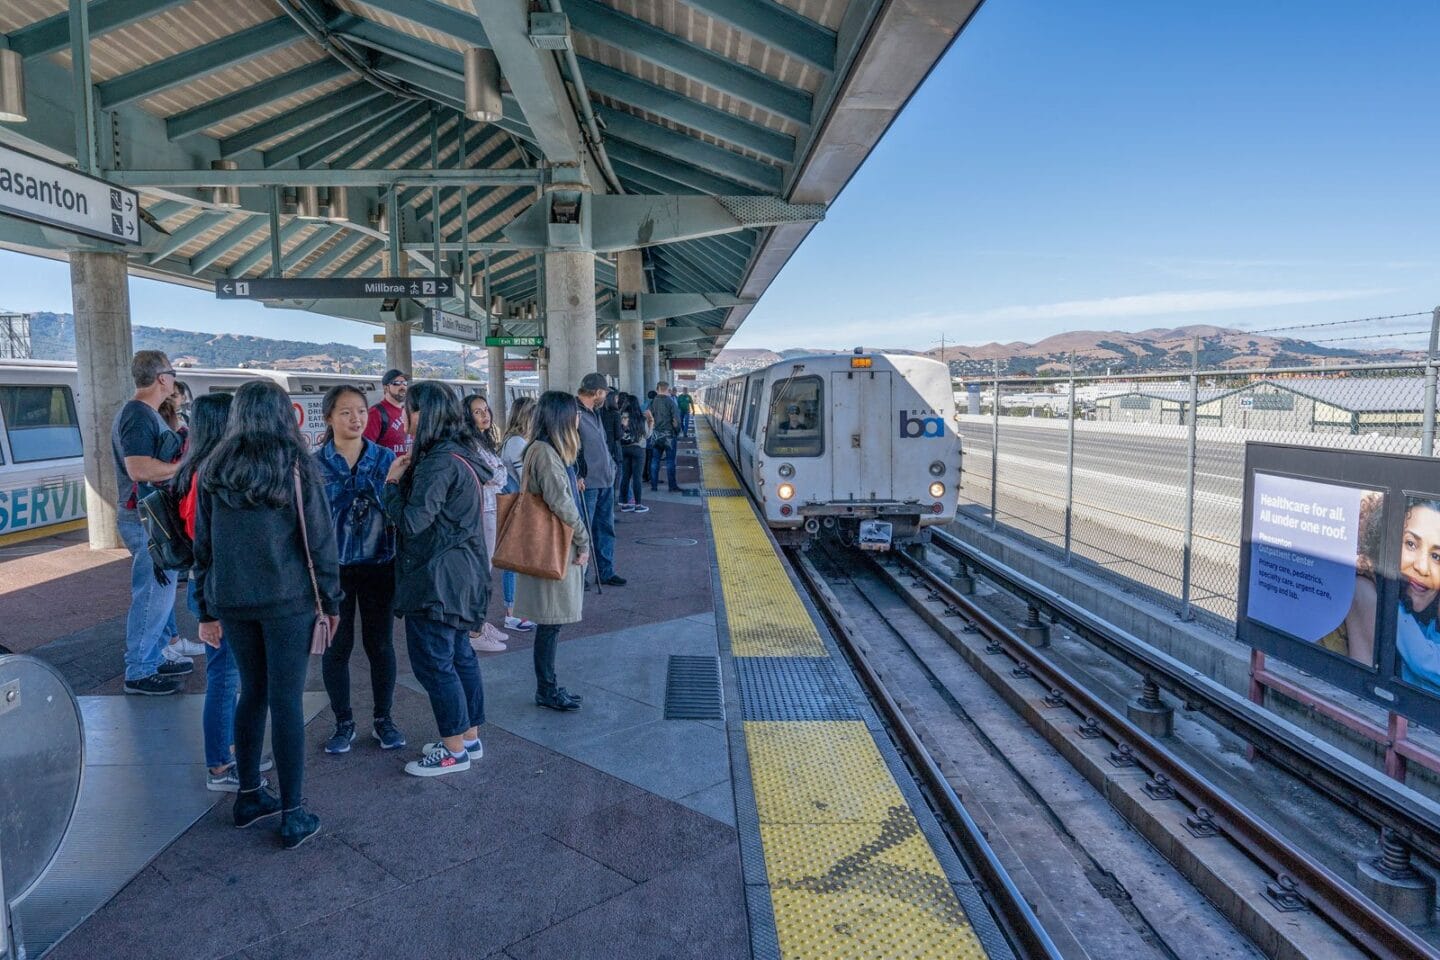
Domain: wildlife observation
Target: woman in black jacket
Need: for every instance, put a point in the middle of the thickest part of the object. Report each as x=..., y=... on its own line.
x=254, y=589
x=434, y=498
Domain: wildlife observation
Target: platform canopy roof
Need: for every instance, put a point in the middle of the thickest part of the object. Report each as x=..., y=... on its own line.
x=770, y=104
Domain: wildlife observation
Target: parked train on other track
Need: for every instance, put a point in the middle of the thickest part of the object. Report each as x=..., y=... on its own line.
x=42, y=471
x=862, y=443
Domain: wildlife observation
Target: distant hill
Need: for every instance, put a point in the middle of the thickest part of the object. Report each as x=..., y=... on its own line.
x=1096, y=351
x=52, y=337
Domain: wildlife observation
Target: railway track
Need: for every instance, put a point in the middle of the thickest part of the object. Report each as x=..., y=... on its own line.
x=1302, y=908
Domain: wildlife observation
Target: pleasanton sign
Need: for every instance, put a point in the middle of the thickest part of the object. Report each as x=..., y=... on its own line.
x=44, y=192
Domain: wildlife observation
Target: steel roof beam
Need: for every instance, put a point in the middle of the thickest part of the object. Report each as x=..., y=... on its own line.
x=507, y=199
x=365, y=141
x=336, y=128
x=261, y=251
x=775, y=26
x=697, y=180
x=679, y=265
x=52, y=34
x=485, y=161
x=696, y=153
x=201, y=118
x=312, y=243
x=449, y=89
x=333, y=145
x=347, y=244
x=689, y=60
x=439, y=17
x=364, y=253
x=680, y=109
x=713, y=264
x=325, y=177
x=535, y=80
x=320, y=109
x=187, y=233
x=232, y=239
x=199, y=62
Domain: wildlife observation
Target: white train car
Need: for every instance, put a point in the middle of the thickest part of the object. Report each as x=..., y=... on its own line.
x=862, y=442
x=42, y=471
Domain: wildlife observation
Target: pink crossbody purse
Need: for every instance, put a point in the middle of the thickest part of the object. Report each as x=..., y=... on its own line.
x=320, y=633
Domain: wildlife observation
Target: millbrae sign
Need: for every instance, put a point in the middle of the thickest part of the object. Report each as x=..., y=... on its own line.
x=923, y=423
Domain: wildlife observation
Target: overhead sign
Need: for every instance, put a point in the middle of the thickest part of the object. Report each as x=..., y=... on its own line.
x=48, y=193
x=514, y=341
x=687, y=363
x=442, y=324
x=512, y=366
x=336, y=288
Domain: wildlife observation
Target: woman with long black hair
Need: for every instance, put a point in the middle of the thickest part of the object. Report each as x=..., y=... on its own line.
x=354, y=471
x=208, y=419
x=549, y=470
x=435, y=497
x=253, y=582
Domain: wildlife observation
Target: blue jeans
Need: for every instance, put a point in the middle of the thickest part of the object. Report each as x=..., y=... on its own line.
x=447, y=668
x=151, y=603
x=507, y=583
x=222, y=686
x=669, y=456
x=600, y=513
x=685, y=420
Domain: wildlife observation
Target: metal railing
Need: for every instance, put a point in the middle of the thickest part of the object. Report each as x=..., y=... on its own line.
x=1141, y=477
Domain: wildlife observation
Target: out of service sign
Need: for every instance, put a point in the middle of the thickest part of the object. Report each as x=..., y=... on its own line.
x=44, y=192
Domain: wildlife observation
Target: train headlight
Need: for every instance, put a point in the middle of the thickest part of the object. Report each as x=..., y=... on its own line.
x=785, y=491
x=937, y=489
x=786, y=470
x=937, y=469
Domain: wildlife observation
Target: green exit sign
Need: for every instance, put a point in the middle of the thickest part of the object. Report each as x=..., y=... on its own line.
x=514, y=341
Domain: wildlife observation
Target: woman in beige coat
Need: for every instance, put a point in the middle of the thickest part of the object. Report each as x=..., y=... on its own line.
x=548, y=469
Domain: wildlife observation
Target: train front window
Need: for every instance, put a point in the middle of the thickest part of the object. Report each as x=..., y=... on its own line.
x=797, y=424
x=41, y=423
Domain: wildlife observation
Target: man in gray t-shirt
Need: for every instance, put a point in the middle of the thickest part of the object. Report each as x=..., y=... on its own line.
x=145, y=449
x=597, y=473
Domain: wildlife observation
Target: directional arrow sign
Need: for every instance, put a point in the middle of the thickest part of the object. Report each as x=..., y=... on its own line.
x=514, y=341
x=48, y=193
x=342, y=288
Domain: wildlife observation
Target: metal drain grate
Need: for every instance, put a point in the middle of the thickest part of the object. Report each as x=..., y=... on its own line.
x=692, y=689
x=722, y=493
x=792, y=688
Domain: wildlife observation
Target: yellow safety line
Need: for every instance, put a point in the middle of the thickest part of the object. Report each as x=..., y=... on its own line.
x=49, y=530
x=851, y=874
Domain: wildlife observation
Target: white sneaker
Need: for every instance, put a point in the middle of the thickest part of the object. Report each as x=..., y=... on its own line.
x=474, y=750
x=437, y=763
x=171, y=653
x=189, y=648
x=639, y=508
x=486, y=641
x=516, y=623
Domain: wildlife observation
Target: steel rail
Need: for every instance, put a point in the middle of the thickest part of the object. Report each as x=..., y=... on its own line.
x=1008, y=904
x=1325, y=891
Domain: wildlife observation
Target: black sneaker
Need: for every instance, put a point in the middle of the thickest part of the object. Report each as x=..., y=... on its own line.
x=252, y=806
x=559, y=700
x=341, y=739
x=175, y=668
x=388, y=734
x=614, y=580
x=297, y=826
x=152, y=686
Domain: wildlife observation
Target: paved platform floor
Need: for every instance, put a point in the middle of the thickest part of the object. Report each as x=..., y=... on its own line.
x=608, y=832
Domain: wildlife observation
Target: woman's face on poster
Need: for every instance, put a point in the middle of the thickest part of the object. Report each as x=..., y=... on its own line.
x=1420, y=557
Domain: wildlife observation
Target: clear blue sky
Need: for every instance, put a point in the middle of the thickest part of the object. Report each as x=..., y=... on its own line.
x=1116, y=165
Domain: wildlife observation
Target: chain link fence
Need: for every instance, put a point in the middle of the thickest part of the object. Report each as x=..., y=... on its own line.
x=1141, y=477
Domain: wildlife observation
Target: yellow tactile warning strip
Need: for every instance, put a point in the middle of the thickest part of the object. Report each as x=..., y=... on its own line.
x=851, y=874
x=767, y=618
x=713, y=466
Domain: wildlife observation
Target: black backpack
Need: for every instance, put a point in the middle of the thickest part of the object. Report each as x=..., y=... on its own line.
x=170, y=546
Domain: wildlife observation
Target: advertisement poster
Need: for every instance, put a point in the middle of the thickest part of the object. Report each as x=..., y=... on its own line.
x=1314, y=553
x=1417, y=638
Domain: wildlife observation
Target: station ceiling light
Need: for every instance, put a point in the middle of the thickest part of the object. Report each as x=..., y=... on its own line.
x=12, y=87
x=337, y=208
x=482, y=85
x=497, y=305
x=225, y=196
x=307, y=203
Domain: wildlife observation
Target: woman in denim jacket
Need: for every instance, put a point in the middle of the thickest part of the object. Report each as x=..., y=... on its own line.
x=354, y=470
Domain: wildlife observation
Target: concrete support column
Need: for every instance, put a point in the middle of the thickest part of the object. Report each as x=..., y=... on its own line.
x=397, y=346
x=499, y=401
x=570, y=317
x=630, y=277
x=652, y=360
x=100, y=293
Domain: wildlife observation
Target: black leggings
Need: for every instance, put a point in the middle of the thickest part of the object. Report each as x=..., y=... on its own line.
x=631, y=478
x=272, y=656
x=370, y=594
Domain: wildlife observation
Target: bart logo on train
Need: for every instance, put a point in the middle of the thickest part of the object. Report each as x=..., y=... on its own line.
x=925, y=423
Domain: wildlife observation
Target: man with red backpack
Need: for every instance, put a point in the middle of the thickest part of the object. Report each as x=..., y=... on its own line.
x=386, y=422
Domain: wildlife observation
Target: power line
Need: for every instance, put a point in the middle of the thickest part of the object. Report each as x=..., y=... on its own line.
x=1341, y=323
x=1372, y=336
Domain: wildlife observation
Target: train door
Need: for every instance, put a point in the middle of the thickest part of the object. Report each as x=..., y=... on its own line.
x=861, y=458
